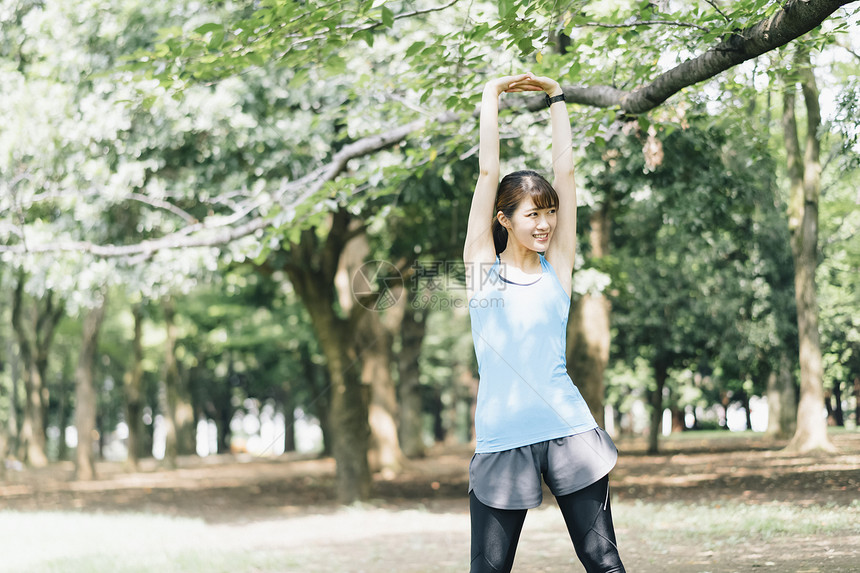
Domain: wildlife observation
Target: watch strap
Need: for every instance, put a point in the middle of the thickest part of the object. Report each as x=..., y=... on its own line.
x=551, y=100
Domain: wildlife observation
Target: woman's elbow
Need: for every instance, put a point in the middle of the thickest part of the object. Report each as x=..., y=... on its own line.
x=488, y=171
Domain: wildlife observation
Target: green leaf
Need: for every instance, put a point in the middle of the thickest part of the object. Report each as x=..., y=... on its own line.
x=206, y=28
x=387, y=17
x=425, y=96
x=367, y=36
x=506, y=7
x=414, y=48
x=480, y=31
x=525, y=45
x=335, y=64
x=216, y=40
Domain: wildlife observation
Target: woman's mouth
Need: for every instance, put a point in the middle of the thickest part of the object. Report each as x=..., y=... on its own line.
x=541, y=236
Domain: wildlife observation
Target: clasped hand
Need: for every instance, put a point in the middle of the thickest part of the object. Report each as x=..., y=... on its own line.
x=527, y=82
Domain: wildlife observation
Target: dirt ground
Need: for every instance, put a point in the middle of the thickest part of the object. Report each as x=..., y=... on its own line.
x=428, y=499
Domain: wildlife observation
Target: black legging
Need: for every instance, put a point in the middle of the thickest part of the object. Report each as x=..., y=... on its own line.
x=495, y=532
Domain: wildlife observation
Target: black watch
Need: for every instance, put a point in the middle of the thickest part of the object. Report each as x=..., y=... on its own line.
x=551, y=100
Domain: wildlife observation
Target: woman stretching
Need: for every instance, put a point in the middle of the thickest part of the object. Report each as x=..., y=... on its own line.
x=530, y=418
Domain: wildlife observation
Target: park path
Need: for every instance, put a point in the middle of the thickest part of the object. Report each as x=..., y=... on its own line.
x=721, y=505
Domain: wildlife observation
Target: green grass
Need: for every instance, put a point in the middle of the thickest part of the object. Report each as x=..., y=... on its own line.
x=727, y=520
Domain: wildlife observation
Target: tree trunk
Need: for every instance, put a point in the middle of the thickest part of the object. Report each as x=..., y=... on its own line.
x=781, y=401
x=11, y=427
x=222, y=426
x=85, y=393
x=289, y=427
x=588, y=335
x=805, y=178
x=286, y=404
x=312, y=272
x=373, y=343
x=412, y=333
x=660, y=374
x=63, y=417
x=5, y=440
x=838, y=415
x=348, y=412
x=747, y=413
x=437, y=409
x=34, y=357
x=350, y=430
x=133, y=390
x=588, y=348
x=677, y=419
x=317, y=378
x=179, y=415
x=773, y=405
x=372, y=331
x=857, y=401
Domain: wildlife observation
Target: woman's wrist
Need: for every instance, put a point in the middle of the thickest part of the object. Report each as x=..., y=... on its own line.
x=494, y=88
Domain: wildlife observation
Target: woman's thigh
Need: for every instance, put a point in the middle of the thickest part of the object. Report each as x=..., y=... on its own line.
x=495, y=534
x=588, y=517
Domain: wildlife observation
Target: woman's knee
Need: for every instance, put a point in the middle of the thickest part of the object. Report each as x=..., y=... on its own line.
x=599, y=554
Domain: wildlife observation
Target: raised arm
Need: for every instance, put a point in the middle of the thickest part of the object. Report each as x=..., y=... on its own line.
x=562, y=248
x=479, y=248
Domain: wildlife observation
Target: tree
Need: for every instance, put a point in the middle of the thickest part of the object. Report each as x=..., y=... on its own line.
x=34, y=343
x=804, y=172
x=688, y=271
x=132, y=382
x=839, y=266
x=311, y=266
x=85, y=393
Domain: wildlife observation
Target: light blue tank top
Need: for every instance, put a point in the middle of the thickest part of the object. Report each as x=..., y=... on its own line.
x=525, y=395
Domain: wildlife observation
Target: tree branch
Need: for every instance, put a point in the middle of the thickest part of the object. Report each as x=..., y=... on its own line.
x=160, y=204
x=365, y=28
x=648, y=23
x=717, y=8
x=797, y=17
x=848, y=49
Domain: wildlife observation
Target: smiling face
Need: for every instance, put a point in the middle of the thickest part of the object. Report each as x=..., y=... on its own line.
x=525, y=212
x=530, y=226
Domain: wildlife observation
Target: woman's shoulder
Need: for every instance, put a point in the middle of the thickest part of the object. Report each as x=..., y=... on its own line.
x=480, y=274
x=548, y=268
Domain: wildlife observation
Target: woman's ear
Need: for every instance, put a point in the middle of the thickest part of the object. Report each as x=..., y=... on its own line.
x=503, y=221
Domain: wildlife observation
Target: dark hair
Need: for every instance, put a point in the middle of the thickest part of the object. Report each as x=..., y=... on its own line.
x=513, y=188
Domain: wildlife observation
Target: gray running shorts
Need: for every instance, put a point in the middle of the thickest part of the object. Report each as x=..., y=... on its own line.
x=512, y=479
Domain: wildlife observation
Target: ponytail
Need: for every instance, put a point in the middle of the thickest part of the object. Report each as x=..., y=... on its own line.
x=500, y=235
